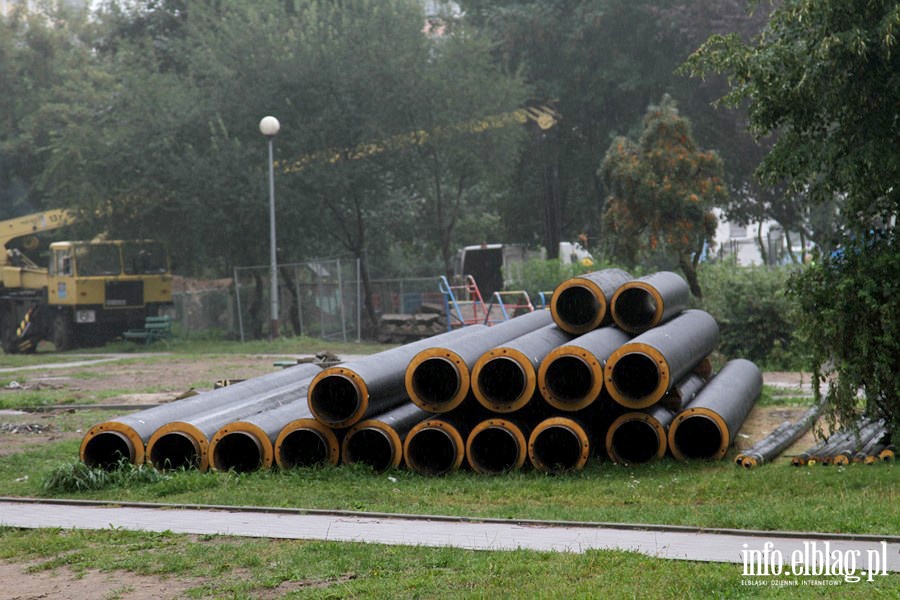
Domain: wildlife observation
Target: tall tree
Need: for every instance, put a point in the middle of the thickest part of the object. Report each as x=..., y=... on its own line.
x=662, y=189
x=825, y=74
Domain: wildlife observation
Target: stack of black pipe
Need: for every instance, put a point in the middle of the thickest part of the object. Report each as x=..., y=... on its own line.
x=865, y=441
x=618, y=366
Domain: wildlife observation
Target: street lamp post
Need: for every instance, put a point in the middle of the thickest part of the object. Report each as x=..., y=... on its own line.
x=269, y=127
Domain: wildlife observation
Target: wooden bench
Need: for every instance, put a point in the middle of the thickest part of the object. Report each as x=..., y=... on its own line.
x=155, y=328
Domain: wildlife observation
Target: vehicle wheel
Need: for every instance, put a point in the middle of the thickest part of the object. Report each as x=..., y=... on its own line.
x=63, y=334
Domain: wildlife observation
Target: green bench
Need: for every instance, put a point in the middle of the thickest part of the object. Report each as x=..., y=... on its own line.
x=155, y=328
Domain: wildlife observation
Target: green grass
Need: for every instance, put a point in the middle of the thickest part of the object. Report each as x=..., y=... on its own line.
x=779, y=396
x=857, y=498
x=347, y=570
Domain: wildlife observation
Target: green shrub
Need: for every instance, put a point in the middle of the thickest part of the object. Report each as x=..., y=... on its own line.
x=76, y=476
x=756, y=318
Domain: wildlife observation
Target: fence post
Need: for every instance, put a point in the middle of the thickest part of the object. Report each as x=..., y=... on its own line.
x=358, y=305
x=237, y=295
x=341, y=296
x=299, y=299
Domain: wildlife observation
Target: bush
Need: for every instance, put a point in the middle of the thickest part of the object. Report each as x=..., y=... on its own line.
x=849, y=316
x=756, y=317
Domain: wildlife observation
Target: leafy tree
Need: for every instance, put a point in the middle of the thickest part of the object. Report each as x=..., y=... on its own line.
x=661, y=192
x=825, y=75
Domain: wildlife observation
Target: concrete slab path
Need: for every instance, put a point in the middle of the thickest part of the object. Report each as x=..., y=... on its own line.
x=665, y=542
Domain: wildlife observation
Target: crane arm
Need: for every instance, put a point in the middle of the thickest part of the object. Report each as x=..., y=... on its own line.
x=31, y=224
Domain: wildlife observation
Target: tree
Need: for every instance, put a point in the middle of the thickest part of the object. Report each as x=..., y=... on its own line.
x=661, y=192
x=825, y=75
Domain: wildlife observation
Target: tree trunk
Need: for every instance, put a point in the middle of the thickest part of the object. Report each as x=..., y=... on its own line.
x=367, y=291
x=287, y=276
x=256, y=308
x=552, y=208
x=787, y=243
x=690, y=273
x=762, y=247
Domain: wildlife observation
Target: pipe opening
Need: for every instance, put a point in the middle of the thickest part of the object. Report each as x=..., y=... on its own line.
x=635, y=442
x=635, y=375
x=303, y=448
x=175, y=450
x=334, y=399
x=556, y=448
x=502, y=380
x=435, y=381
x=494, y=450
x=569, y=379
x=431, y=452
x=636, y=308
x=577, y=306
x=238, y=451
x=373, y=447
x=106, y=450
x=698, y=436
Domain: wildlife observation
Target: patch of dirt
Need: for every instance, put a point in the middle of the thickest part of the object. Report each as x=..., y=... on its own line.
x=286, y=587
x=63, y=583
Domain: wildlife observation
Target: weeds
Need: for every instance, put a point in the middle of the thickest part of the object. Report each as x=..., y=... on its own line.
x=75, y=476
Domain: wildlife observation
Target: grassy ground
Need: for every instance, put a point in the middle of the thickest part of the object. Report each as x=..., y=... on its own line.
x=856, y=498
x=226, y=567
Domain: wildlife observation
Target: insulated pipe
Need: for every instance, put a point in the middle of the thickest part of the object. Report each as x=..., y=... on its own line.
x=437, y=445
x=505, y=378
x=438, y=378
x=640, y=372
x=249, y=444
x=495, y=446
x=770, y=447
x=559, y=444
x=126, y=437
x=804, y=457
x=778, y=431
x=570, y=377
x=378, y=442
x=306, y=442
x=845, y=451
x=874, y=442
x=580, y=304
x=644, y=303
x=822, y=452
x=708, y=425
x=343, y=395
x=887, y=455
x=683, y=392
x=639, y=436
x=185, y=443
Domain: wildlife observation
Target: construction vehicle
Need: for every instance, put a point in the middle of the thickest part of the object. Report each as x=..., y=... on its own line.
x=91, y=293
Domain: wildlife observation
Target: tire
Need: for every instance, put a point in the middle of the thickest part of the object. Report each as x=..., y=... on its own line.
x=63, y=332
x=7, y=331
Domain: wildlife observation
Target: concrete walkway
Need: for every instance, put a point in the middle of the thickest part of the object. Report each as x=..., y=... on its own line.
x=672, y=543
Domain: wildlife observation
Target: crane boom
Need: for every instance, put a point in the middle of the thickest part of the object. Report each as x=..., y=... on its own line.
x=31, y=224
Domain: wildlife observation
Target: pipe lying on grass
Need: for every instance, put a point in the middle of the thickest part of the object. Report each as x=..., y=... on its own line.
x=305, y=442
x=106, y=444
x=495, y=446
x=437, y=445
x=644, y=303
x=378, y=442
x=570, y=377
x=249, y=444
x=343, y=395
x=784, y=436
x=639, y=436
x=739, y=458
x=559, y=444
x=504, y=378
x=708, y=425
x=581, y=304
x=438, y=378
x=185, y=443
x=640, y=372
x=844, y=452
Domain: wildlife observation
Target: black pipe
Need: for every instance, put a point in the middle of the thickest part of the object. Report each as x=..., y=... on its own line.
x=706, y=428
x=378, y=442
x=770, y=447
x=878, y=439
x=842, y=453
x=305, y=443
x=437, y=445
x=104, y=445
x=570, y=377
x=249, y=444
x=438, y=378
x=640, y=372
x=580, y=304
x=496, y=446
x=777, y=432
x=683, y=392
x=504, y=379
x=345, y=394
x=639, y=436
x=644, y=303
x=559, y=444
x=185, y=443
